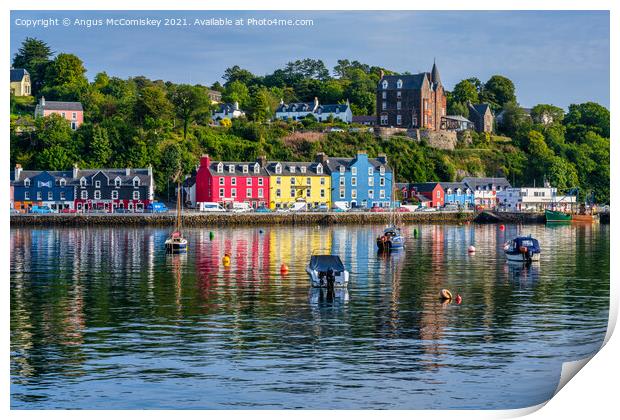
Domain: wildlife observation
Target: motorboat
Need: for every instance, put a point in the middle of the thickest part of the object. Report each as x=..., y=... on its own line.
x=391, y=239
x=327, y=271
x=552, y=216
x=176, y=243
x=522, y=248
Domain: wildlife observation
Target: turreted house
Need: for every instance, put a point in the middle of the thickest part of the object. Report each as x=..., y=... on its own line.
x=411, y=100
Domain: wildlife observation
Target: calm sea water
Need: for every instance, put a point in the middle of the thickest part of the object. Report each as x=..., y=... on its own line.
x=102, y=318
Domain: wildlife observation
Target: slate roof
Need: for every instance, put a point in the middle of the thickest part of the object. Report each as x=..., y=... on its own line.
x=296, y=107
x=360, y=119
x=61, y=106
x=286, y=168
x=226, y=108
x=238, y=170
x=473, y=182
x=410, y=81
x=334, y=163
x=453, y=185
x=142, y=174
x=333, y=108
x=480, y=108
x=424, y=186
x=18, y=74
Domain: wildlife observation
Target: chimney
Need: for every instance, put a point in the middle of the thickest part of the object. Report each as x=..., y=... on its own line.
x=381, y=74
x=262, y=161
x=281, y=101
x=150, y=169
x=18, y=171
x=205, y=161
x=42, y=101
x=127, y=171
x=75, y=170
x=321, y=158
x=382, y=158
x=316, y=104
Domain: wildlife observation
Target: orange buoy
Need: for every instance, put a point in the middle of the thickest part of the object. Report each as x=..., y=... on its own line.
x=459, y=299
x=445, y=294
x=284, y=268
x=226, y=260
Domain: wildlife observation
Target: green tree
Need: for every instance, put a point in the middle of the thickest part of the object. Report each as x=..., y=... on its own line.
x=65, y=78
x=547, y=114
x=263, y=105
x=53, y=130
x=33, y=55
x=585, y=117
x=188, y=102
x=55, y=158
x=100, y=148
x=152, y=102
x=237, y=91
x=236, y=73
x=514, y=119
x=465, y=91
x=498, y=91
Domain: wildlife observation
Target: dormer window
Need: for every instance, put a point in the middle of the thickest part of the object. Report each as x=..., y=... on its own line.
x=245, y=169
x=26, y=182
x=292, y=168
x=382, y=170
x=62, y=182
x=256, y=168
x=449, y=191
x=220, y=167
x=117, y=182
x=341, y=169
x=231, y=169
x=399, y=84
x=97, y=184
x=82, y=182
x=319, y=169
x=302, y=169
x=136, y=182
x=278, y=168
x=371, y=171
x=385, y=84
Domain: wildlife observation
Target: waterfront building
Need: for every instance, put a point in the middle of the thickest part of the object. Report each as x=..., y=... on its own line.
x=322, y=113
x=427, y=194
x=534, y=199
x=71, y=111
x=228, y=182
x=42, y=188
x=486, y=189
x=360, y=181
x=411, y=100
x=298, y=182
x=229, y=111
x=20, y=82
x=458, y=193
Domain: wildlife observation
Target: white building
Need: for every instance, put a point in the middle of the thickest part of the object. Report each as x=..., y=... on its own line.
x=229, y=111
x=322, y=113
x=534, y=199
x=486, y=190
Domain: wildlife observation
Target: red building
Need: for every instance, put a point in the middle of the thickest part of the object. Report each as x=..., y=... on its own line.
x=228, y=182
x=431, y=193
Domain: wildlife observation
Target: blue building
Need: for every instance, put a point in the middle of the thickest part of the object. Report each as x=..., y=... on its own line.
x=359, y=181
x=42, y=188
x=458, y=193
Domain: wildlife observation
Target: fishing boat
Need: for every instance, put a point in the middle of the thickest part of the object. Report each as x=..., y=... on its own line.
x=176, y=243
x=522, y=248
x=327, y=271
x=391, y=239
x=552, y=216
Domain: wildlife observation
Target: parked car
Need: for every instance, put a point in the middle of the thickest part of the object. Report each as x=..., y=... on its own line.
x=156, y=207
x=321, y=207
x=283, y=210
x=40, y=210
x=241, y=207
x=377, y=209
x=402, y=210
x=210, y=207
x=262, y=210
x=68, y=211
x=427, y=209
x=450, y=207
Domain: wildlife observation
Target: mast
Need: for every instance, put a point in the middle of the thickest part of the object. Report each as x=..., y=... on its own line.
x=178, y=205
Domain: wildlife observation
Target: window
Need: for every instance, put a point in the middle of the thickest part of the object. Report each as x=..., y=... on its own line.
x=354, y=171
x=438, y=194
x=136, y=195
x=371, y=171
x=354, y=194
x=382, y=182
x=220, y=167
x=233, y=181
x=231, y=169
x=292, y=169
x=260, y=193
x=341, y=181
x=322, y=193
x=398, y=105
x=98, y=194
x=221, y=192
x=117, y=182
x=26, y=182
x=398, y=94
x=371, y=181
x=385, y=84
x=63, y=197
x=384, y=119
x=74, y=115
x=292, y=192
x=341, y=169
x=97, y=184
x=399, y=84
x=278, y=180
x=302, y=169
x=278, y=168
x=233, y=192
x=319, y=169
x=308, y=181
x=26, y=195
x=382, y=194
x=341, y=193
x=256, y=168
x=84, y=195
x=322, y=181
x=39, y=196
x=248, y=181
x=245, y=169
x=50, y=196
x=292, y=181
x=62, y=182
x=353, y=181
x=136, y=182
x=308, y=192
x=114, y=195
x=260, y=182
x=371, y=194
x=221, y=180
x=73, y=125
x=278, y=193
x=384, y=105
x=399, y=119
x=64, y=115
x=248, y=192
x=383, y=95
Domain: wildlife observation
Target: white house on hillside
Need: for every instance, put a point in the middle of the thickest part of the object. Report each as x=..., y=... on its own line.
x=297, y=111
x=229, y=111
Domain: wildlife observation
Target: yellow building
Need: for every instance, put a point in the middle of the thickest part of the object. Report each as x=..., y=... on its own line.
x=20, y=82
x=291, y=183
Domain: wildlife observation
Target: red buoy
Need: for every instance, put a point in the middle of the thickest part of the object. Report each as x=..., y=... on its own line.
x=459, y=299
x=502, y=227
x=284, y=269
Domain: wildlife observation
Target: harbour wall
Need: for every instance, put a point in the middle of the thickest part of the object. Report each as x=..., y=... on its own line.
x=242, y=219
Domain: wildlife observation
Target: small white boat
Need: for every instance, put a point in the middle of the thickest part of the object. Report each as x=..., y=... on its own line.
x=522, y=249
x=327, y=271
x=176, y=243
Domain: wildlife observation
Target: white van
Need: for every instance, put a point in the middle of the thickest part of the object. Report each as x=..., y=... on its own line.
x=241, y=207
x=341, y=206
x=210, y=207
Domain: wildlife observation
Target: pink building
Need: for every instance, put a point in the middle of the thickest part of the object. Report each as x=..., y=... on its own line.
x=71, y=111
x=228, y=182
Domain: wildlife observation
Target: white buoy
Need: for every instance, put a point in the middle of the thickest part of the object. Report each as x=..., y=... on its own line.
x=471, y=249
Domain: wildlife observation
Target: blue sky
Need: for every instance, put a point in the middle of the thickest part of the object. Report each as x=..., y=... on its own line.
x=558, y=57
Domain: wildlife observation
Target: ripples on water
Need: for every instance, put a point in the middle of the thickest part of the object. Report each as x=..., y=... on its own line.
x=102, y=318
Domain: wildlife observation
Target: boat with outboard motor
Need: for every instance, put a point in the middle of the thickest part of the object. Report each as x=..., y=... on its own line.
x=327, y=271
x=391, y=239
x=522, y=248
x=176, y=243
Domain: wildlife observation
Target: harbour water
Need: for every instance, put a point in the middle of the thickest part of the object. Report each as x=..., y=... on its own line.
x=102, y=318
